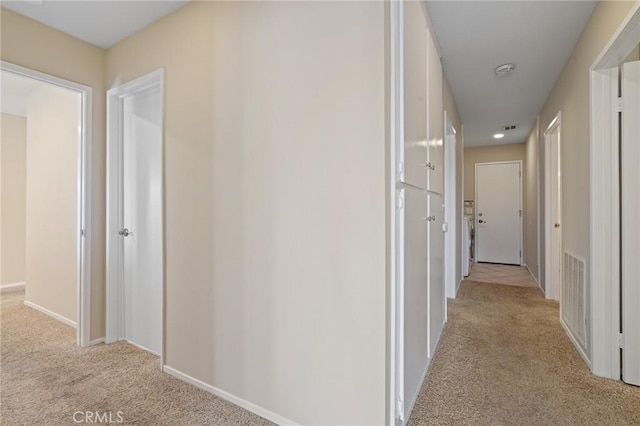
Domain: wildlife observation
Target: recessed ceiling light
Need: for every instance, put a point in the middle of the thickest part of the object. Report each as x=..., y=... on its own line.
x=498, y=136
x=505, y=69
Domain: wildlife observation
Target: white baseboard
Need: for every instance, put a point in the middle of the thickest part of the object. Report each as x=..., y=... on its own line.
x=262, y=412
x=96, y=341
x=51, y=314
x=575, y=343
x=12, y=285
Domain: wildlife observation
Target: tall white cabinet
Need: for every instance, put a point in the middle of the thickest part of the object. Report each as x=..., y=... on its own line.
x=420, y=191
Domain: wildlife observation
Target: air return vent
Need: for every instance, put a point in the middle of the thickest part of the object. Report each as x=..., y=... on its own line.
x=509, y=127
x=574, y=313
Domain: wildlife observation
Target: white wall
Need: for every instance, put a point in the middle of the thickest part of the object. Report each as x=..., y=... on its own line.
x=274, y=200
x=13, y=152
x=51, y=217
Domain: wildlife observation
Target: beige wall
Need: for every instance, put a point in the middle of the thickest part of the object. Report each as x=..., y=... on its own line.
x=488, y=154
x=30, y=44
x=275, y=221
x=13, y=148
x=531, y=203
x=52, y=200
x=452, y=112
x=570, y=95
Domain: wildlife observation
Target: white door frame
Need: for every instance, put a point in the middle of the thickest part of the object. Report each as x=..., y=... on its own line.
x=83, y=253
x=551, y=290
x=475, y=208
x=115, y=248
x=395, y=242
x=605, y=201
x=450, y=237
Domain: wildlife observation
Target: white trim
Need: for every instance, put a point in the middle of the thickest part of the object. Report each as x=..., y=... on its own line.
x=604, y=263
x=395, y=304
x=84, y=164
x=475, y=207
x=52, y=314
x=114, y=244
x=539, y=278
x=556, y=123
x=577, y=345
x=96, y=341
x=243, y=403
x=12, y=285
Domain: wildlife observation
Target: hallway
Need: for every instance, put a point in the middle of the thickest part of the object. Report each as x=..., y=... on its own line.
x=505, y=359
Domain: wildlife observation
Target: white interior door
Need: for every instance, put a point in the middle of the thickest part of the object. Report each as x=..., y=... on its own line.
x=553, y=214
x=498, y=213
x=630, y=235
x=142, y=219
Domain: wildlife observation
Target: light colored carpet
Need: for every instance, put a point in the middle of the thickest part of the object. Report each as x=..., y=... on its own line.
x=45, y=378
x=504, y=359
x=501, y=274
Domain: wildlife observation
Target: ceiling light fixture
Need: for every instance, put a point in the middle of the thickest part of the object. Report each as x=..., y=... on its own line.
x=498, y=136
x=505, y=69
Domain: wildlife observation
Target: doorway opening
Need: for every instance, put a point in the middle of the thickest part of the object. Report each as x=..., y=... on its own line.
x=553, y=208
x=50, y=209
x=135, y=242
x=610, y=340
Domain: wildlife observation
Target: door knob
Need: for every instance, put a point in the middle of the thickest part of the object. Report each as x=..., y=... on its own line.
x=482, y=221
x=557, y=225
x=125, y=232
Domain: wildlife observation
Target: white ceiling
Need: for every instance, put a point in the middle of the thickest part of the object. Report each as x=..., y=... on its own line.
x=477, y=36
x=101, y=23
x=14, y=91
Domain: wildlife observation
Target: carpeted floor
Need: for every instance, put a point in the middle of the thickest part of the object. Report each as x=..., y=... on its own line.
x=504, y=359
x=45, y=378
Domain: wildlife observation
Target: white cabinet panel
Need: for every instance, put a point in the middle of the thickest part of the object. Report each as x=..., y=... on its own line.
x=415, y=291
x=415, y=95
x=435, y=156
x=437, y=294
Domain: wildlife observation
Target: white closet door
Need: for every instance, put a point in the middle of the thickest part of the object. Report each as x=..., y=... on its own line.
x=437, y=295
x=416, y=357
x=630, y=199
x=415, y=95
x=435, y=112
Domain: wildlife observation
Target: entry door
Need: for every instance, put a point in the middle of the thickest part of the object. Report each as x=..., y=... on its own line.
x=142, y=219
x=498, y=213
x=630, y=207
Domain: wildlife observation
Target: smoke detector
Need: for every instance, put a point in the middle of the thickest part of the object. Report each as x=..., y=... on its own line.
x=505, y=69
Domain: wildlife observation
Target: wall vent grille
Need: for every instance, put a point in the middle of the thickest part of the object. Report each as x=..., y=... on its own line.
x=573, y=298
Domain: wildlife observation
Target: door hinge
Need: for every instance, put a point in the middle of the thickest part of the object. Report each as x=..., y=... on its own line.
x=401, y=172
x=621, y=341
x=520, y=213
x=520, y=254
x=400, y=409
x=620, y=104
x=82, y=233
x=400, y=200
